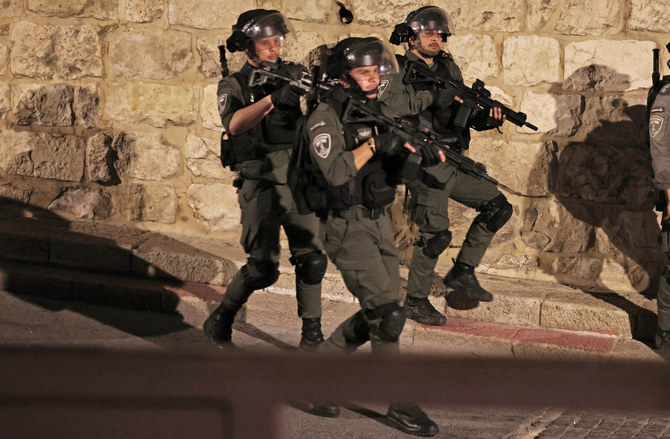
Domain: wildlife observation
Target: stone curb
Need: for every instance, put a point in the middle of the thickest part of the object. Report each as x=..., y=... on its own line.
x=54, y=243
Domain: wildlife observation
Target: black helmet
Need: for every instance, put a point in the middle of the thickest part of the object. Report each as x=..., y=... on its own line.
x=258, y=23
x=351, y=53
x=423, y=19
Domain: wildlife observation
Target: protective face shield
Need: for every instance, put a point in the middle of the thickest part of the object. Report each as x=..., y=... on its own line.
x=428, y=19
x=257, y=24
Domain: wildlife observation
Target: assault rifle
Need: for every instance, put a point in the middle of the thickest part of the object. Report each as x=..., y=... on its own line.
x=356, y=111
x=478, y=95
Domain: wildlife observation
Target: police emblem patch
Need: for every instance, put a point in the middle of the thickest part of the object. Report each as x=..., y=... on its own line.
x=223, y=100
x=655, y=125
x=382, y=87
x=322, y=145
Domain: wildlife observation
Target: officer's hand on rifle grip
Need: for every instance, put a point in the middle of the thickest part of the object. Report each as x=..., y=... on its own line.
x=387, y=143
x=443, y=98
x=287, y=96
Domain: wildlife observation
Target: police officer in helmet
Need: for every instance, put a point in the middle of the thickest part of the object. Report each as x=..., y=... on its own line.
x=260, y=125
x=355, y=162
x=425, y=30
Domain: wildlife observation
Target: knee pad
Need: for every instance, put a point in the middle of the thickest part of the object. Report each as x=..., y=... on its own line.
x=310, y=267
x=391, y=320
x=361, y=330
x=437, y=244
x=260, y=274
x=495, y=213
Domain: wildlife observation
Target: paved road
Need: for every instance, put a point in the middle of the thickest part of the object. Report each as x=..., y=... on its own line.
x=26, y=320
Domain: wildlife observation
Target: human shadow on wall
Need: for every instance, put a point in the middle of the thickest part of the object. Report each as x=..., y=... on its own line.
x=599, y=173
x=58, y=264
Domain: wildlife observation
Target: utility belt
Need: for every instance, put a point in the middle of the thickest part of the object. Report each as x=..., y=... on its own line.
x=355, y=212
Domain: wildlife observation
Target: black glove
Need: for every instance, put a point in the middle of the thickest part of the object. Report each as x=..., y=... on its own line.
x=443, y=98
x=429, y=155
x=287, y=96
x=387, y=143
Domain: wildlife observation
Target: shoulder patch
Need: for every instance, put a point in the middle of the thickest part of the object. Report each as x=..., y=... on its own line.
x=382, y=88
x=655, y=125
x=321, y=145
x=665, y=90
x=221, y=103
x=317, y=125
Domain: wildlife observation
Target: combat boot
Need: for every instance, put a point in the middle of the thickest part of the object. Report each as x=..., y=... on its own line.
x=219, y=326
x=410, y=419
x=325, y=410
x=663, y=340
x=462, y=277
x=422, y=311
x=311, y=334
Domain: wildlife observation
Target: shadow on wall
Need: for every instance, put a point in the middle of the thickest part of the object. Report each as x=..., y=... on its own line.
x=600, y=176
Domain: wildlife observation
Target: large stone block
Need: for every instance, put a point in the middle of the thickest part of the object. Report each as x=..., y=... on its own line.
x=208, y=49
x=83, y=203
x=11, y=8
x=540, y=13
x=207, y=14
x=551, y=113
x=152, y=202
x=316, y=10
x=616, y=119
x=100, y=158
x=202, y=158
x=5, y=99
x=299, y=50
x=529, y=60
x=100, y=9
x=602, y=174
x=4, y=53
x=55, y=52
x=154, y=104
x=214, y=205
x=211, y=119
x=483, y=15
x=649, y=16
x=591, y=17
x=384, y=12
x=520, y=165
x=15, y=149
x=551, y=227
x=476, y=56
x=148, y=54
x=605, y=65
x=140, y=11
x=15, y=193
x=146, y=156
x=56, y=105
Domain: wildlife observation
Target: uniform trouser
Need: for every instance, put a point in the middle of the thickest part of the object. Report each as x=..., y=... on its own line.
x=429, y=210
x=364, y=252
x=265, y=208
x=663, y=294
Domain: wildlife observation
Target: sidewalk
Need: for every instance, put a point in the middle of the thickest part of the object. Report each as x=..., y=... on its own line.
x=41, y=253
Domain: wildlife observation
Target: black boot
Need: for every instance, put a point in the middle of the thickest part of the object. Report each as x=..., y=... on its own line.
x=462, y=277
x=324, y=410
x=219, y=326
x=410, y=419
x=422, y=311
x=311, y=334
x=663, y=340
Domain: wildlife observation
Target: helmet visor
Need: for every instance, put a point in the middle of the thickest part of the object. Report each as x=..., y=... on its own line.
x=269, y=26
x=430, y=19
x=373, y=52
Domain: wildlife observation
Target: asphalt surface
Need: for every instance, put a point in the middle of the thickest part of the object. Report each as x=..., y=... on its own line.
x=35, y=321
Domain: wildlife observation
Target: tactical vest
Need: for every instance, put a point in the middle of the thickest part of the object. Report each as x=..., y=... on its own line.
x=374, y=184
x=440, y=120
x=275, y=132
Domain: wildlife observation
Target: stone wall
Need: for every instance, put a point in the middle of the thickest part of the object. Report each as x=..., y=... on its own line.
x=108, y=112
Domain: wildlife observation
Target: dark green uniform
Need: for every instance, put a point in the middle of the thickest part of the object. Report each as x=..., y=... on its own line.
x=261, y=157
x=429, y=206
x=355, y=229
x=659, y=137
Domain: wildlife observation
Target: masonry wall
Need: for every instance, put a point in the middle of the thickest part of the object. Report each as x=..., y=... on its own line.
x=108, y=112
